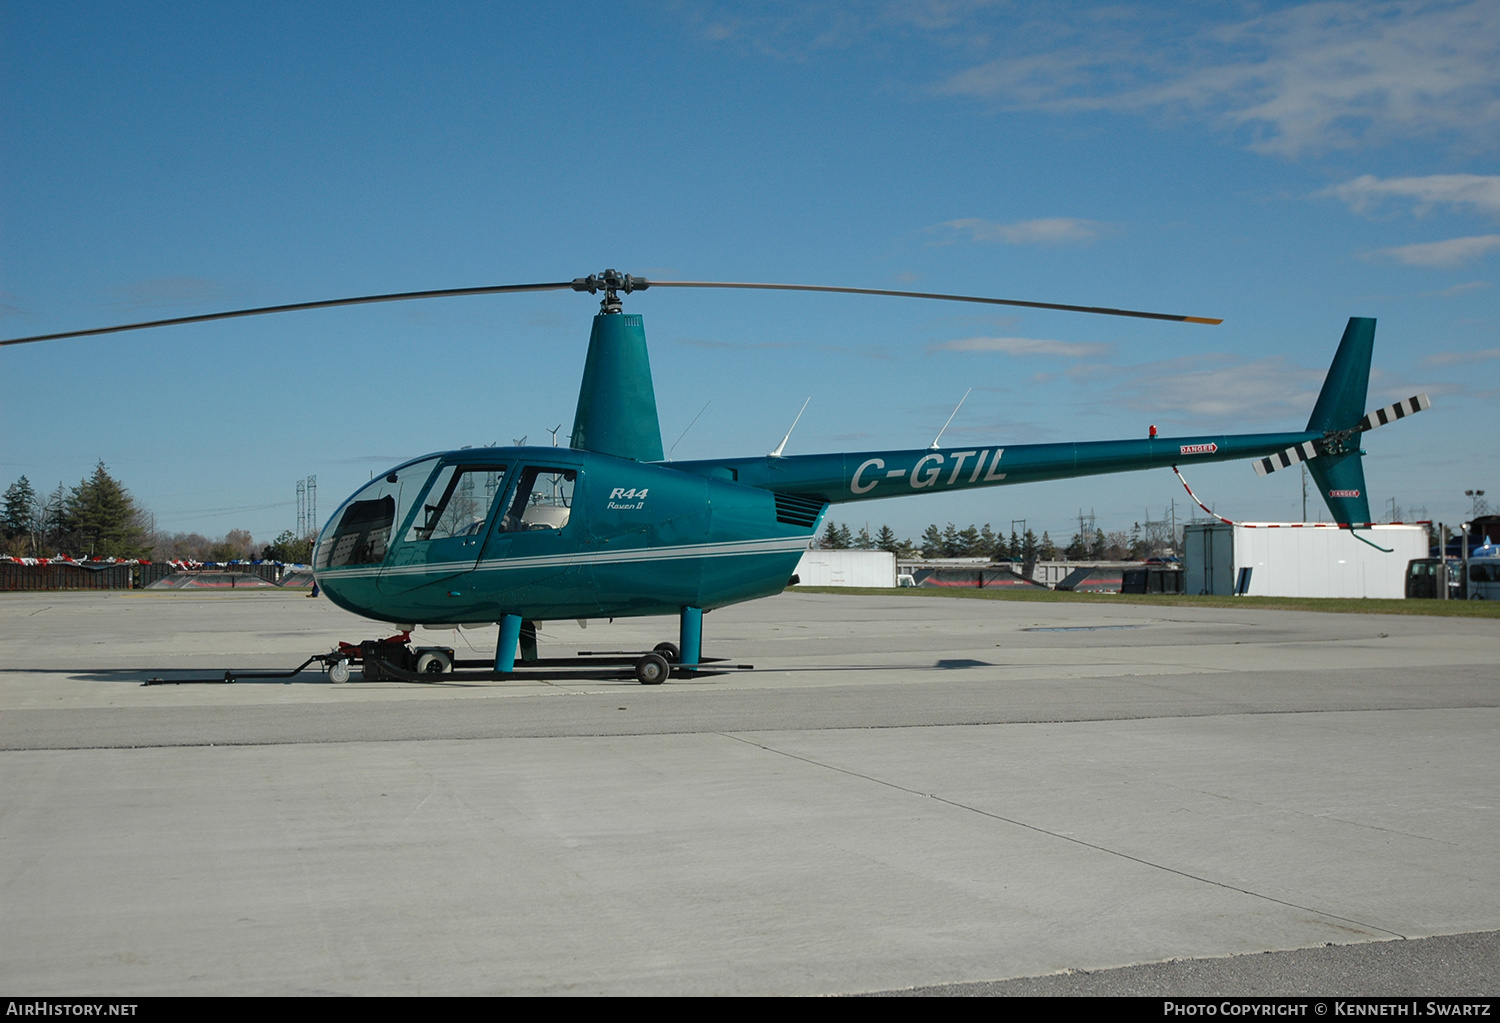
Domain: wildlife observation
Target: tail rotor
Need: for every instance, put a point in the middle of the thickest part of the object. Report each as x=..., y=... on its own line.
x=1334, y=458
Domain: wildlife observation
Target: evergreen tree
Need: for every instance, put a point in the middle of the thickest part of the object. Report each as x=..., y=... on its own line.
x=18, y=518
x=1047, y=551
x=833, y=539
x=1077, y=547
x=55, y=520
x=103, y=517
x=1028, y=545
x=987, y=542
x=932, y=542
x=289, y=549
x=846, y=539
x=969, y=545
x=951, y=545
x=1013, y=550
x=862, y=542
x=885, y=540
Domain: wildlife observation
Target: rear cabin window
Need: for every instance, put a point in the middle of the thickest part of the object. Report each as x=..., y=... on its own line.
x=543, y=500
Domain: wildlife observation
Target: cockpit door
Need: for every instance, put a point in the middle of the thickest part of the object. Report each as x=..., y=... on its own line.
x=446, y=532
x=538, y=555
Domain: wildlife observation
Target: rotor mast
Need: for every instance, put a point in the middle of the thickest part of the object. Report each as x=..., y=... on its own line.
x=616, y=400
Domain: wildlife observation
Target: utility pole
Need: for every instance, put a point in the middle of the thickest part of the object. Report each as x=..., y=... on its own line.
x=1442, y=565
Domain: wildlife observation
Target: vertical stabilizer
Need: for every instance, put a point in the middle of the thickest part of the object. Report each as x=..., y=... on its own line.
x=617, y=403
x=1341, y=403
x=1339, y=473
x=1341, y=481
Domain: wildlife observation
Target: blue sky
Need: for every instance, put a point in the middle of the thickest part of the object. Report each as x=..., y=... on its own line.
x=1284, y=166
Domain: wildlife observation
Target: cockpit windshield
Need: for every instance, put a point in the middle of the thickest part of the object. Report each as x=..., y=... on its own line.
x=360, y=534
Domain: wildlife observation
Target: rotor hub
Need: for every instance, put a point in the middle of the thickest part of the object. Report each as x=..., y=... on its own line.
x=611, y=282
x=1340, y=442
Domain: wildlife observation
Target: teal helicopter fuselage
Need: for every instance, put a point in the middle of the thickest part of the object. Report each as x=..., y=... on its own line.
x=550, y=533
x=607, y=528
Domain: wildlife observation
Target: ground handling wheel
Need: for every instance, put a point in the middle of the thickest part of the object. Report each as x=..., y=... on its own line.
x=669, y=652
x=338, y=671
x=434, y=662
x=652, y=669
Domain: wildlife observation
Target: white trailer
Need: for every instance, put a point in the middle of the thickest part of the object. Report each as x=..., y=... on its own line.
x=847, y=568
x=1293, y=559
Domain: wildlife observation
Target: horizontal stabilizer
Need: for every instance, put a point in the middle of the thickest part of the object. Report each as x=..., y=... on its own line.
x=1391, y=413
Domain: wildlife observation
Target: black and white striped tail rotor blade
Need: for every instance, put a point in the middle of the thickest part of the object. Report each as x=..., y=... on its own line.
x=1400, y=410
x=1313, y=448
x=1290, y=457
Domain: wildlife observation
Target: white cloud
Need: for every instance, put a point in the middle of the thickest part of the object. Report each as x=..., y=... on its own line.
x=1306, y=79
x=1046, y=231
x=1453, y=252
x=1460, y=358
x=1480, y=191
x=1220, y=386
x=1457, y=289
x=1025, y=346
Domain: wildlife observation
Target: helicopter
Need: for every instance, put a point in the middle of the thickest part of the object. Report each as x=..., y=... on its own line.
x=607, y=527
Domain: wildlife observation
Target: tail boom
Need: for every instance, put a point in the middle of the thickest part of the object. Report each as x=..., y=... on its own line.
x=868, y=475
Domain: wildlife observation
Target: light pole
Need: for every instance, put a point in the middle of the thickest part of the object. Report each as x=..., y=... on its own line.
x=1474, y=496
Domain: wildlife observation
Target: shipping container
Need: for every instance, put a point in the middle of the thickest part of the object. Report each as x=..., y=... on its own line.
x=847, y=568
x=1270, y=559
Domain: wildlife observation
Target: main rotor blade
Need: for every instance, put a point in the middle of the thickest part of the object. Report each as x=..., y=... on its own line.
x=292, y=308
x=1101, y=310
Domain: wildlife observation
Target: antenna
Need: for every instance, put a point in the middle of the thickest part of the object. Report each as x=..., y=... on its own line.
x=520, y=443
x=780, y=447
x=934, y=445
x=690, y=426
x=553, y=431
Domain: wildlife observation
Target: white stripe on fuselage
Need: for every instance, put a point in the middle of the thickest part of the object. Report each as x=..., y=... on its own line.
x=721, y=549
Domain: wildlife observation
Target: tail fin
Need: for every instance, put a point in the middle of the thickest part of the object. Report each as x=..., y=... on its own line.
x=1341, y=405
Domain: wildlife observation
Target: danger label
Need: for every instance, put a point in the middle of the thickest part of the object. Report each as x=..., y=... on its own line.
x=1343, y=493
x=1197, y=449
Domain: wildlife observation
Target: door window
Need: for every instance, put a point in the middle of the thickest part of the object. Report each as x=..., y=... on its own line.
x=543, y=500
x=458, y=503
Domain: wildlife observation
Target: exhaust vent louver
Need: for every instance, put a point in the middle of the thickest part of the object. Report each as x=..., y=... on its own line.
x=798, y=511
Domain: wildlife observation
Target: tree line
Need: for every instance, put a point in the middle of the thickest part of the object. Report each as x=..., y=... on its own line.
x=984, y=542
x=99, y=519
